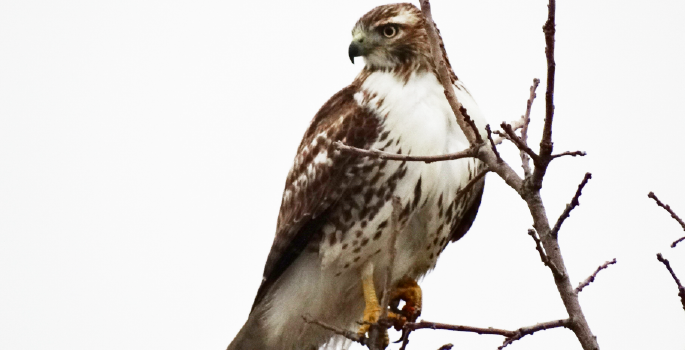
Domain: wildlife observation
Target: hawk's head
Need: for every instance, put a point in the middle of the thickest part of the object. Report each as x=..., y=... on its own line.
x=391, y=36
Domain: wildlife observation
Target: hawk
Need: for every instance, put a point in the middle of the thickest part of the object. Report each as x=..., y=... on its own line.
x=330, y=252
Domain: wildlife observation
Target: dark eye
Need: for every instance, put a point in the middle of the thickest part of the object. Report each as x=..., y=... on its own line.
x=389, y=31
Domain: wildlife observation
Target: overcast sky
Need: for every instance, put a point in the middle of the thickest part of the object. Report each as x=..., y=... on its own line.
x=144, y=147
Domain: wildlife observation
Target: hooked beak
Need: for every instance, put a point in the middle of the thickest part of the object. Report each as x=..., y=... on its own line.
x=355, y=50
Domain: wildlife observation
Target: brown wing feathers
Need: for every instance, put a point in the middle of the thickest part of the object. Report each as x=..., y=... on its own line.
x=304, y=210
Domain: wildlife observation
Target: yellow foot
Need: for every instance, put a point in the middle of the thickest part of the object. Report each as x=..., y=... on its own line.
x=409, y=291
x=372, y=309
x=371, y=315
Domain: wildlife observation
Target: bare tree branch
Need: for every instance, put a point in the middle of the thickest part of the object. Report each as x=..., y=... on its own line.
x=459, y=328
x=443, y=72
x=524, y=129
x=502, y=135
x=446, y=347
x=574, y=203
x=591, y=278
x=681, y=289
x=511, y=336
x=517, y=124
x=545, y=260
x=574, y=153
x=522, y=332
x=578, y=324
x=471, y=123
x=529, y=190
x=538, y=246
x=546, y=145
x=519, y=143
x=373, y=153
x=492, y=143
x=673, y=215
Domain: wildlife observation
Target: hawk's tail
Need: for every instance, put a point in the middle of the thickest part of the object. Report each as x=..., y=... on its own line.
x=251, y=336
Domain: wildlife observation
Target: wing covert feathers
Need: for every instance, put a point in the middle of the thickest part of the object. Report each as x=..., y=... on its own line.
x=317, y=179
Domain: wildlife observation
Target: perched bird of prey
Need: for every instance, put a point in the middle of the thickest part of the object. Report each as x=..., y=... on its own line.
x=330, y=253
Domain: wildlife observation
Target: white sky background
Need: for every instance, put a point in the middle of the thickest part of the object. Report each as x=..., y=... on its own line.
x=144, y=147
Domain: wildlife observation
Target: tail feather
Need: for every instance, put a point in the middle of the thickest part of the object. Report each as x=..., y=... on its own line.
x=251, y=337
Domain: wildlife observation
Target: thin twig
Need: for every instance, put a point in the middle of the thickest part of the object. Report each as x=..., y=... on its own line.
x=543, y=256
x=471, y=123
x=594, y=274
x=681, y=289
x=519, y=143
x=524, y=129
x=549, y=30
x=673, y=215
x=446, y=347
x=502, y=135
x=517, y=124
x=373, y=153
x=522, y=332
x=574, y=203
x=546, y=144
x=538, y=246
x=568, y=153
x=353, y=336
x=459, y=328
x=492, y=143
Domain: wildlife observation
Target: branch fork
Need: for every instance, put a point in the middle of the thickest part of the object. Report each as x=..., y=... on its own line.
x=673, y=215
